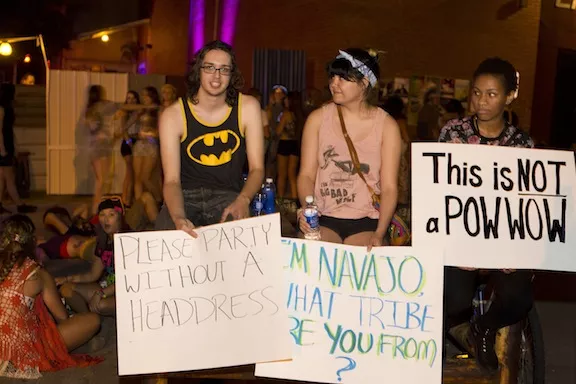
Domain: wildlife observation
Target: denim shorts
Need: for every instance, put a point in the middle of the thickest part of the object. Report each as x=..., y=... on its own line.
x=203, y=206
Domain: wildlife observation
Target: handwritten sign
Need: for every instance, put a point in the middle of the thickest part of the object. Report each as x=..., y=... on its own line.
x=215, y=301
x=361, y=317
x=495, y=207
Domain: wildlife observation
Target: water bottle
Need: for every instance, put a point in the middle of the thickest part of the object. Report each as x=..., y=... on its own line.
x=258, y=203
x=480, y=304
x=312, y=218
x=269, y=191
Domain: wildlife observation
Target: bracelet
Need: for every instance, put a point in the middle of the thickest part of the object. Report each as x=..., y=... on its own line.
x=101, y=293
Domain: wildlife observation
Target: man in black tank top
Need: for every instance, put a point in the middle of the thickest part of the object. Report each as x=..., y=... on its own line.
x=204, y=140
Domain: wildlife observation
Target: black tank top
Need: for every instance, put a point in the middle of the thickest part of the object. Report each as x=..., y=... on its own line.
x=212, y=156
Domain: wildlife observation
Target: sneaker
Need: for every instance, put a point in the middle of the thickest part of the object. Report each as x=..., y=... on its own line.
x=24, y=208
x=484, y=340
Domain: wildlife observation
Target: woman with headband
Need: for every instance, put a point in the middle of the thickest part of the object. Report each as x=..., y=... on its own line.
x=350, y=156
x=494, y=88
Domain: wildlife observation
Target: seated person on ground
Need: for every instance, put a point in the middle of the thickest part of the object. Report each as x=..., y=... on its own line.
x=94, y=290
x=71, y=236
x=36, y=333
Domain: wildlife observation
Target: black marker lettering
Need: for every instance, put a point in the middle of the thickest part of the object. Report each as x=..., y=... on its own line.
x=435, y=156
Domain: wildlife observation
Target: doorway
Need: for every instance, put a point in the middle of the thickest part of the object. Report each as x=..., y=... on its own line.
x=564, y=112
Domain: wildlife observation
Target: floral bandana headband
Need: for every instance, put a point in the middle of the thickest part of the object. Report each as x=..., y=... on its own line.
x=360, y=66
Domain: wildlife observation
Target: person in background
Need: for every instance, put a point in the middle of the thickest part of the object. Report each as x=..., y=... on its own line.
x=95, y=290
x=98, y=121
x=493, y=89
x=274, y=111
x=8, y=151
x=511, y=117
x=356, y=199
x=395, y=107
x=453, y=109
x=36, y=332
x=289, y=132
x=129, y=134
x=169, y=96
x=28, y=79
x=266, y=125
x=146, y=149
x=205, y=140
x=429, y=116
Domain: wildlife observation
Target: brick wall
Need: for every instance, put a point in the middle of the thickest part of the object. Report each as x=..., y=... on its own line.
x=169, y=37
x=445, y=38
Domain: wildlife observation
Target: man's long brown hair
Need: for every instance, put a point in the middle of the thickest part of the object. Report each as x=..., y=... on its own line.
x=193, y=77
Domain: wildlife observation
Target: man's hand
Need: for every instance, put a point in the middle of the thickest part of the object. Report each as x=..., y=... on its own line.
x=186, y=226
x=239, y=209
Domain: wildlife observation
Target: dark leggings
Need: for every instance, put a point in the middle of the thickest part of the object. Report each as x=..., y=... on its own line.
x=512, y=297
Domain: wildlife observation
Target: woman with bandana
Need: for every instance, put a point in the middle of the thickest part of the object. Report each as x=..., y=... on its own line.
x=94, y=290
x=350, y=156
x=36, y=332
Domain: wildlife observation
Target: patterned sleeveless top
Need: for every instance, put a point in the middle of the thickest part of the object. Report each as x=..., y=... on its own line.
x=29, y=338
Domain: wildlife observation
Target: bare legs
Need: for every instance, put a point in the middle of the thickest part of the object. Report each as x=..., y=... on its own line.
x=101, y=167
x=287, y=172
x=79, y=329
x=282, y=175
x=79, y=295
x=293, y=176
x=144, y=167
x=128, y=186
x=8, y=181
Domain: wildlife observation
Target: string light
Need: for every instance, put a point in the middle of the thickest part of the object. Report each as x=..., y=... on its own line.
x=5, y=49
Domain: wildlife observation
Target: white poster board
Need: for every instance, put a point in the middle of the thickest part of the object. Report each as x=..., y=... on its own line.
x=495, y=207
x=187, y=304
x=359, y=317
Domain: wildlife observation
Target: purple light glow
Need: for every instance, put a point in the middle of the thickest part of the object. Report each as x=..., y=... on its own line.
x=229, y=13
x=142, y=68
x=196, y=26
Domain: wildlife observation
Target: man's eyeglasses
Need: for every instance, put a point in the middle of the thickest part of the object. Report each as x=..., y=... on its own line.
x=210, y=69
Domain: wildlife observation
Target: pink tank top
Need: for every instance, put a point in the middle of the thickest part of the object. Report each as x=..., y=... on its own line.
x=339, y=191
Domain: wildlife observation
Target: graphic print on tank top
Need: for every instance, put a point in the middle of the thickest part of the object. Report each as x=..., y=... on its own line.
x=343, y=176
x=213, y=155
x=214, y=148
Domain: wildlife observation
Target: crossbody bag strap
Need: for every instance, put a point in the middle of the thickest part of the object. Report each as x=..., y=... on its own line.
x=353, y=153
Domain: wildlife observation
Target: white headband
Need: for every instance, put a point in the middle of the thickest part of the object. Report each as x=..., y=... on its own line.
x=360, y=66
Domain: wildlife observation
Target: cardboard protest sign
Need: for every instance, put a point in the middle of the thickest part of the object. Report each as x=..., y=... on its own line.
x=215, y=301
x=495, y=207
x=359, y=317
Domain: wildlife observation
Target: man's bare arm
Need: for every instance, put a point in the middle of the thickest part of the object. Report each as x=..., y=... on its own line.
x=171, y=129
x=254, y=134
